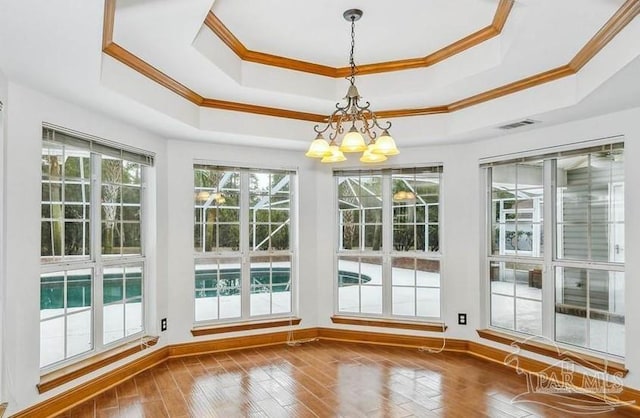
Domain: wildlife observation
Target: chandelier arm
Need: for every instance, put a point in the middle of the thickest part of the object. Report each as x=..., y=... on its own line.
x=331, y=122
x=367, y=129
x=362, y=107
x=366, y=126
x=338, y=129
x=368, y=117
x=387, y=126
x=345, y=107
x=321, y=131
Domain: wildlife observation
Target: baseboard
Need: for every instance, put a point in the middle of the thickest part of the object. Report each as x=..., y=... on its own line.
x=553, y=351
x=84, y=391
x=82, y=368
x=555, y=373
x=91, y=388
x=396, y=340
x=238, y=343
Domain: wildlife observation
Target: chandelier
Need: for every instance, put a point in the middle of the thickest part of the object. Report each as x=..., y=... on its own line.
x=363, y=122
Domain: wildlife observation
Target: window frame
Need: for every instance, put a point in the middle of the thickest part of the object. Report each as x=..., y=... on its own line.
x=550, y=260
x=244, y=253
x=96, y=261
x=387, y=253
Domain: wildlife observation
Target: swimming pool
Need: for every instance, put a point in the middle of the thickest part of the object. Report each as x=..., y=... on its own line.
x=208, y=284
x=79, y=292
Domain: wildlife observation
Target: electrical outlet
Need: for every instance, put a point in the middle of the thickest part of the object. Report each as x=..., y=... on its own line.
x=163, y=324
x=462, y=319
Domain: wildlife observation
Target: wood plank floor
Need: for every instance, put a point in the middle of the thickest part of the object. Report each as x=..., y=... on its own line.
x=325, y=379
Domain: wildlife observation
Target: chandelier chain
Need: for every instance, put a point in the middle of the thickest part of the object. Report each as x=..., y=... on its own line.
x=352, y=62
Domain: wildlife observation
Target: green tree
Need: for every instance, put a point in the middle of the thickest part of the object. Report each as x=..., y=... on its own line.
x=111, y=188
x=51, y=164
x=218, y=213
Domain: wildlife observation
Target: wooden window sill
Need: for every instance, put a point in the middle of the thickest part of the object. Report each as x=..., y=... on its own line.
x=66, y=374
x=388, y=323
x=550, y=350
x=221, y=329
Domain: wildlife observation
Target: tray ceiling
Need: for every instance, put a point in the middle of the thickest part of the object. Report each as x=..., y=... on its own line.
x=226, y=68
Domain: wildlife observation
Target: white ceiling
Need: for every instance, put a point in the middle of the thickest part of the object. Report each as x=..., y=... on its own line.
x=56, y=47
x=317, y=32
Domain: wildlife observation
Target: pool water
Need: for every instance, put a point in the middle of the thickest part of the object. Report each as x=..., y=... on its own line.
x=208, y=284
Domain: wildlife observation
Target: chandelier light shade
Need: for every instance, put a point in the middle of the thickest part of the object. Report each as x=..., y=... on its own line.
x=353, y=141
x=333, y=155
x=362, y=120
x=318, y=148
x=370, y=156
x=385, y=145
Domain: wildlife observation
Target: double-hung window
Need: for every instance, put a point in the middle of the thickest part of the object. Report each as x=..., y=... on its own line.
x=388, y=257
x=243, y=242
x=556, y=247
x=92, y=253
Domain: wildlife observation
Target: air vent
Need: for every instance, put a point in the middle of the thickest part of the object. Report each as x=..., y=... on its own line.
x=519, y=124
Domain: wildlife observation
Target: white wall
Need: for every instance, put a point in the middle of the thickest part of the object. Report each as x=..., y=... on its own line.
x=171, y=293
x=28, y=110
x=3, y=126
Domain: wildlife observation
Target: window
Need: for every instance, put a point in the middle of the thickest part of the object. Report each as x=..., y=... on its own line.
x=516, y=262
x=556, y=268
x=91, y=286
x=243, y=243
x=389, y=242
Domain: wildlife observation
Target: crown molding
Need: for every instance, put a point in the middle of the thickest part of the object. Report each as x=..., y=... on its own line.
x=623, y=16
x=221, y=31
x=262, y=110
x=516, y=86
x=108, y=22
x=134, y=62
x=214, y=23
